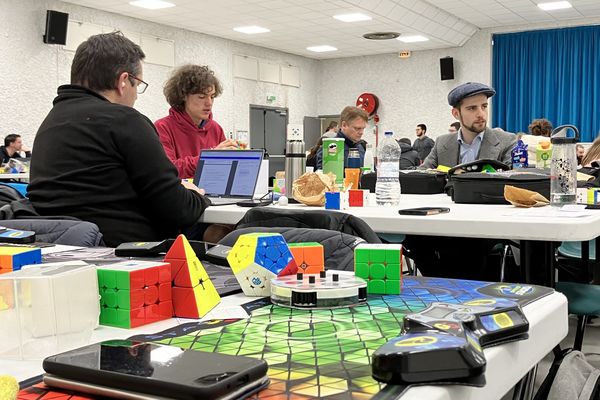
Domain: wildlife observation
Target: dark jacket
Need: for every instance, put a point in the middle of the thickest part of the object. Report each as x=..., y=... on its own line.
x=423, y=147
x=6, y=157
x=409, y=159
x=110, y=170
x=348, y=144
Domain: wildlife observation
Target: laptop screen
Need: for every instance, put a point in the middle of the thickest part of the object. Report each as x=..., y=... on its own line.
x=228, y=173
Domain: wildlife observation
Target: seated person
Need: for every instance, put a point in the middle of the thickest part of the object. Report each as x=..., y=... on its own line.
x=100, y=160
x=409, y=158
x=475, y=141
x=539, y=132
x=13, y=146
x=353, y=122
x=191, y=91
x=311, y=156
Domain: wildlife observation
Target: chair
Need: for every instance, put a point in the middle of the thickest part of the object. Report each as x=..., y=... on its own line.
x=583, y=298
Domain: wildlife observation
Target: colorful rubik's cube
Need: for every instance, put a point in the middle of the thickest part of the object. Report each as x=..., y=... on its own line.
x=336, y=201
x=309, y=257
x=256, y=258
x=381, y=266
x=134, y=293
x=13, y=258
x=194, y=294
x=358, y=197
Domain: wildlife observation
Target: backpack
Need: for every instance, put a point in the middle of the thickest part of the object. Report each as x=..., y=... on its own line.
x=571, y=377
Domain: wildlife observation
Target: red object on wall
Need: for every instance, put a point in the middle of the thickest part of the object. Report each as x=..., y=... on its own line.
x=368, y=102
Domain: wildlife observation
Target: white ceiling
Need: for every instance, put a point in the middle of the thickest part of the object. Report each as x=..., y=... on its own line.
x=297, y=24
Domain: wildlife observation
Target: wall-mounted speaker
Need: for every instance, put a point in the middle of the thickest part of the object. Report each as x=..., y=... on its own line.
x=447, y=68
x=56, y=27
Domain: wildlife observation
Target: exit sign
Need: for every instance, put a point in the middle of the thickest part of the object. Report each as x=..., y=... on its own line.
x=404, y=54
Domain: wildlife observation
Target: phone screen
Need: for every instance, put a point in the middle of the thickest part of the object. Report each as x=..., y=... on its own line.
x=424, y=211
x=171, y=369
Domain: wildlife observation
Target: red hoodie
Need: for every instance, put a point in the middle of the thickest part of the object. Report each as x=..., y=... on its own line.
x=183, y=140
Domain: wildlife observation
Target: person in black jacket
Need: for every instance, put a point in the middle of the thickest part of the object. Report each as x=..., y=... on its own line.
x=409, y=158
x=13, y=146
x=100, y=160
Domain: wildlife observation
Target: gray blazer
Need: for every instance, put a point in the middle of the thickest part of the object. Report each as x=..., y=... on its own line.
x=496, y=145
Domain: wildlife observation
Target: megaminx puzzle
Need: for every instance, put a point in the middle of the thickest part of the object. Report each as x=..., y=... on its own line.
x=326, y=353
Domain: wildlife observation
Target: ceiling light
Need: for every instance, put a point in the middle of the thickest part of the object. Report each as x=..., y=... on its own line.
x=251, y=30
x=321, y=49
x=413, y=39
x=152, y=4
x=352, y=17
x=555, y=5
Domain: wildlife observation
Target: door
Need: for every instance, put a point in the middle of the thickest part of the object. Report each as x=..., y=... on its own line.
x=268, y=127
x=312, y=131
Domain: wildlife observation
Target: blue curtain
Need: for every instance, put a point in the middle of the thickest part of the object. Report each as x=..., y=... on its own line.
x=553, y=74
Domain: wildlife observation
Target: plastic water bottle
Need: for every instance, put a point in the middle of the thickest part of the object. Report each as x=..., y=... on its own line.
x=387, y=188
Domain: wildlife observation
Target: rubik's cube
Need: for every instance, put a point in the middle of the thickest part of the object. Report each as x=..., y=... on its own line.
x=134, y=293
x=13, y=258
x=358, y=197
x=380, y=265
x=309, y=257
x=256, y=258
x=194, y=294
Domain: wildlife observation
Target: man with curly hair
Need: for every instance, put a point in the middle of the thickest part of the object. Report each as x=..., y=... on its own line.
x=191, y=91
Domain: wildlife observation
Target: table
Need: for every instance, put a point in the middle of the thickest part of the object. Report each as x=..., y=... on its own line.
x=16, y=176
x=492, y=221
x=507, y=363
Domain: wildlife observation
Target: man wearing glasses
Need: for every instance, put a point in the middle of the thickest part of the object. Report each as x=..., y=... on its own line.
x=100, y=160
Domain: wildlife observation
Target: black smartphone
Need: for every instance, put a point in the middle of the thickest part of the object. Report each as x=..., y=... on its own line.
x=154, y=370
x=424, y=211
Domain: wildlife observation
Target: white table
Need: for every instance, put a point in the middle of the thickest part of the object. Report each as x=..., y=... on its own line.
x=18, y=176
x=491, y=221
x=506, y=364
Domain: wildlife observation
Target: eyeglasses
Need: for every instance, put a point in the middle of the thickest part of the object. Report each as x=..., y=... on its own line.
x=142, y=86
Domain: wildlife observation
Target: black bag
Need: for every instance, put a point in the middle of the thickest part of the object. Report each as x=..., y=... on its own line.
x=488, y=188
x=413, y=182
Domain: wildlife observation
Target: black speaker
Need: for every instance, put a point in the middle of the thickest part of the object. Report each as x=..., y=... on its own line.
x=56, y=27
x=447, y=68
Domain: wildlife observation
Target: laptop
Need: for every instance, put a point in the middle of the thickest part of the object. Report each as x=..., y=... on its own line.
x=228, y=176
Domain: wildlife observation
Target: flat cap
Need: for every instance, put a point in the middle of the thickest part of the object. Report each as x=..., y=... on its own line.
x=468, y=89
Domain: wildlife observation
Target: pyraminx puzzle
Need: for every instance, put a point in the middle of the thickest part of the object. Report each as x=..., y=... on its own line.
x=134, y=293
x=309, y=257
x=380, y=265
x=194, y=294
x=256, y=258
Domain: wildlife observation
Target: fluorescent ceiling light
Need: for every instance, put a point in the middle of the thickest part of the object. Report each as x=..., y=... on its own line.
x=413, y=39
x=555, y=5
x=352, y=17
x=321, y=49
x=152, y=4
x=251, y=30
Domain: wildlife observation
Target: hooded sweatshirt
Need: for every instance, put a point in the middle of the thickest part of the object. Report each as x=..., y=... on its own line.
x=183, y=140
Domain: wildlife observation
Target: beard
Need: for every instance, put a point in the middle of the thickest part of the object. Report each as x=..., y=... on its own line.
x=475, y=127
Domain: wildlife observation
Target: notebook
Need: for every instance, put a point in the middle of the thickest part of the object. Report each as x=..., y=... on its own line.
x=228, y=176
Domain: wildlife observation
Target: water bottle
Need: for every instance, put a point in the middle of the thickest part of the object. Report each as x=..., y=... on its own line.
x=353, y=158
x=519, y=155
x=563, y=166
x=387, y=188
x=368, y=161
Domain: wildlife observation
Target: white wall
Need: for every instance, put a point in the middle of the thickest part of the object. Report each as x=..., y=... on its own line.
x=410, y=91
x=30, y=70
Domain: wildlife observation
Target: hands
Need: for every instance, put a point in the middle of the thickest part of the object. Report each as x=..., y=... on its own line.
x=228, y=144
x=190, y=186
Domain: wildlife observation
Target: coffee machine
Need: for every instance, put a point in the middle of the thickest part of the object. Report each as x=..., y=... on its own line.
x=295, y=157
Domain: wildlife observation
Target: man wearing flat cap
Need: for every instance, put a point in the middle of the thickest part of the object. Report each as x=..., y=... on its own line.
x=474, y=140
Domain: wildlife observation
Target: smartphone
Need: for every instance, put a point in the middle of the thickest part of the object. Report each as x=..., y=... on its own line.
x=155, y=371
x=424, y=211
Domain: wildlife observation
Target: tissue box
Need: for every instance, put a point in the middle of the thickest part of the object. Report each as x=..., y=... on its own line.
x=46, y=310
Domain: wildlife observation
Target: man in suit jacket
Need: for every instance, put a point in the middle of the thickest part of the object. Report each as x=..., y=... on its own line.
x=474, y=140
